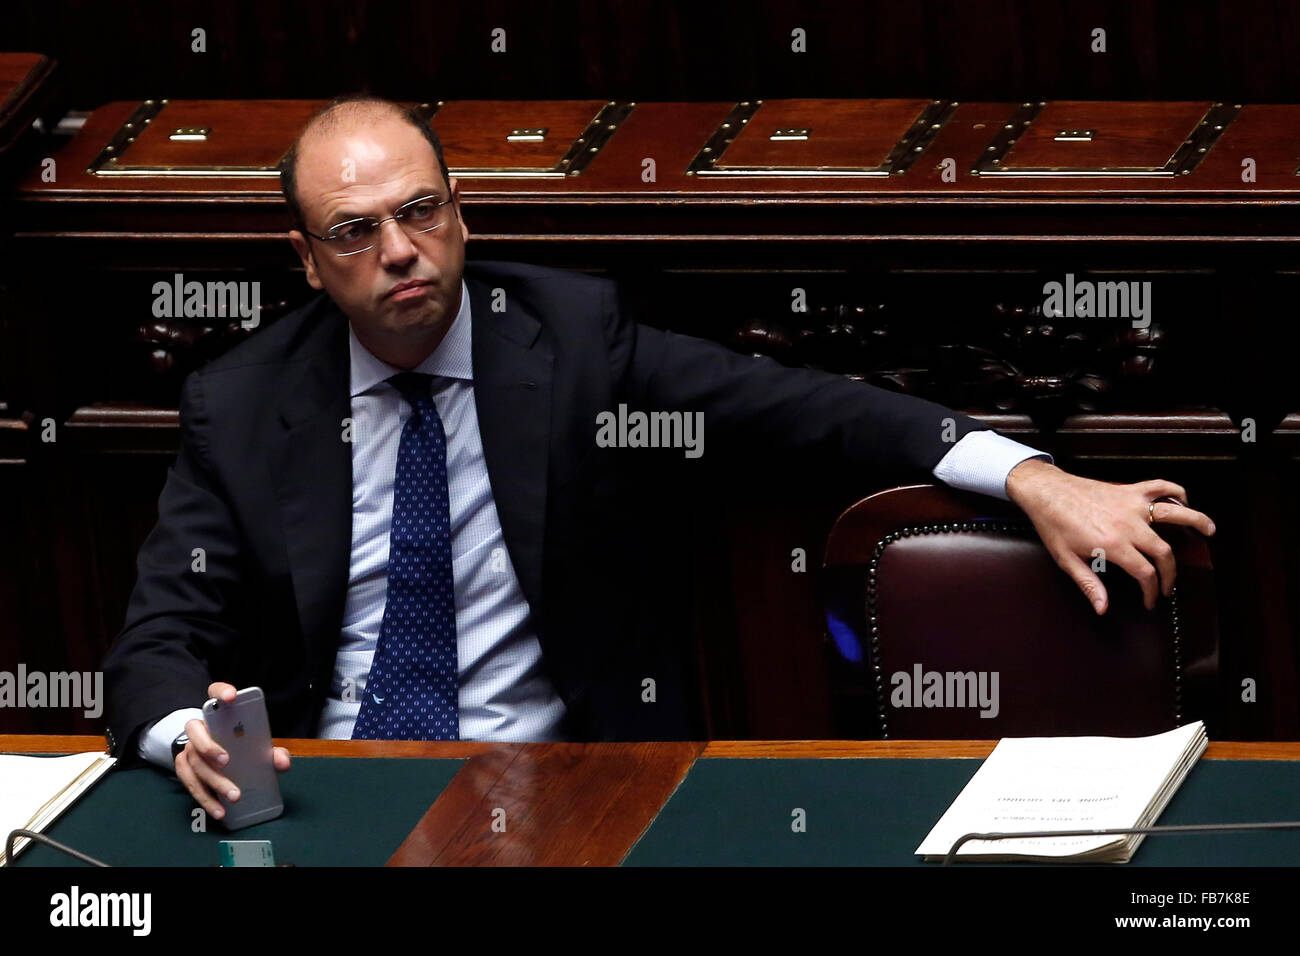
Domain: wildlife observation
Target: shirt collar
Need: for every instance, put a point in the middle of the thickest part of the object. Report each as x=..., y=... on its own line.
x=451, y=359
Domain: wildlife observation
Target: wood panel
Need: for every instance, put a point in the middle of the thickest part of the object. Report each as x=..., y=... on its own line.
x=548, y=805
x=792, y=749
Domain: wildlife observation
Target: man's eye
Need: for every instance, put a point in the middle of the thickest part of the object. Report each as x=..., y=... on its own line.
x=350, y=232
x=422, y=210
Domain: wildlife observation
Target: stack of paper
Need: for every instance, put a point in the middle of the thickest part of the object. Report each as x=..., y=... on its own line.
x=1067, y=783
x=35, y=790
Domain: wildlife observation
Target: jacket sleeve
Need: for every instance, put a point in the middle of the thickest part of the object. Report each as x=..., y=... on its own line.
x=754, y=405
x=179, y=622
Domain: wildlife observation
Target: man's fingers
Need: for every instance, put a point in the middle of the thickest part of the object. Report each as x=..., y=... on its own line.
x=212, y=778
x=1141, y=570
x=1082, y=575
x=1166, y=512
x=1159, y=488
x=185, y=773
x=280, y=757
x=202, y=742
x=222, y=691
x=1158, y=550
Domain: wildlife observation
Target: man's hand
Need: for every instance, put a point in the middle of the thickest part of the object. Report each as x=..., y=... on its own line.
x=199, y=765
x=1076, y=515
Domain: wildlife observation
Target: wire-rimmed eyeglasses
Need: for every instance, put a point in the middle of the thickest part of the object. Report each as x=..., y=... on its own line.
x=357, y=235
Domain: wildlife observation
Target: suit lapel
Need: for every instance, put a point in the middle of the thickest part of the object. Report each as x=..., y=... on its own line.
x=312, y=472
x=512, y=391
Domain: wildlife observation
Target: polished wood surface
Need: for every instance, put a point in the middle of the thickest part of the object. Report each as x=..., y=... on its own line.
x=22, y=79
x=931, y=749
x=460, y=814
x=1125, y=134
x=813, y=749
x=559, y=804
x=839, y=133
x=615, y=200
x=474, y=133
x=300, y=746
x=257, y=134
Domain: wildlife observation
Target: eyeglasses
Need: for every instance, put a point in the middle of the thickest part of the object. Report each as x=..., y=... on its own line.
x=357, y=235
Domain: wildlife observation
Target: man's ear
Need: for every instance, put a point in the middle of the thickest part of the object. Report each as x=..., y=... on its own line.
x=303, y=248
x=455, y=195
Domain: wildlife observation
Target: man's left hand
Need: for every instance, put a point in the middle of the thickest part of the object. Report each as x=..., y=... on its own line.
x=1074, y=516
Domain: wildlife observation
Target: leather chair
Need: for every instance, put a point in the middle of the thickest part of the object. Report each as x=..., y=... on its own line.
x=948, y=619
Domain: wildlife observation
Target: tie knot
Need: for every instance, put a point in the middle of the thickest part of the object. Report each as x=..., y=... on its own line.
x=414, y=387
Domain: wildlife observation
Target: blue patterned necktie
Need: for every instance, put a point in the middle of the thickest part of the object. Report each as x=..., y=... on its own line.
x=411, y=693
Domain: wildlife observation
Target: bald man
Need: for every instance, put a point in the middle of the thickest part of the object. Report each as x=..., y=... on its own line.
x=409, y=528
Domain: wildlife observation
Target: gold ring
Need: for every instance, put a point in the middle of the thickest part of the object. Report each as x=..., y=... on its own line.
x=1151, y=513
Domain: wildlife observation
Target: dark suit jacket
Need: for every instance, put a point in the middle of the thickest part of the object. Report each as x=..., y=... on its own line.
x=263, y=485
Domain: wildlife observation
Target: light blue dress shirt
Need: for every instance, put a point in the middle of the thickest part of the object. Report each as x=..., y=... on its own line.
x=504, y=691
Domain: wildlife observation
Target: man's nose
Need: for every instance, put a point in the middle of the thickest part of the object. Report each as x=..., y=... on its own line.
x=395, y=246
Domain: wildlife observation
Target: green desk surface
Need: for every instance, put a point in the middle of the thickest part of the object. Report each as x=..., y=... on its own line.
x=875, y=812
x=337, y=812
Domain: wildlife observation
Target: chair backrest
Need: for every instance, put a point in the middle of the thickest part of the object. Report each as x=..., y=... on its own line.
x=948, y=619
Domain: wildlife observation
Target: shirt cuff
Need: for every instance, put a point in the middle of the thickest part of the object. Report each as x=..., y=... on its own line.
x=156, y=738
x=981, y=461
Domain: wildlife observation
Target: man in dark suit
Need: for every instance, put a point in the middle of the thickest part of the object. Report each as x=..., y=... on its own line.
x=405, y=486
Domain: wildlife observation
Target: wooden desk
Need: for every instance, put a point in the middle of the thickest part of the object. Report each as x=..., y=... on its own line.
x=580, y=804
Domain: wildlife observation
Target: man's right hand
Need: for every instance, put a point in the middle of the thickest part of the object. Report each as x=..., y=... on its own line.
x=199, y=765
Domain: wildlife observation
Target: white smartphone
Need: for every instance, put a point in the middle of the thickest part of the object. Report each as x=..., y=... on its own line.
x=243, y=730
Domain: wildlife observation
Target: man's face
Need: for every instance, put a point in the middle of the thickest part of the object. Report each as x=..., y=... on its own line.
x=370, y=168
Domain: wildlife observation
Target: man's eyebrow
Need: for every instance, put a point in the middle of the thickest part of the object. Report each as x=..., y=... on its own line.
x=343, y=215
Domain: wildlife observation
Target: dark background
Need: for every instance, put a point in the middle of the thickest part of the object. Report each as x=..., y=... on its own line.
x=987, y=50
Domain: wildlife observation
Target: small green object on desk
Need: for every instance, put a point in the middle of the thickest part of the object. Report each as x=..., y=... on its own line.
x=247, y=853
